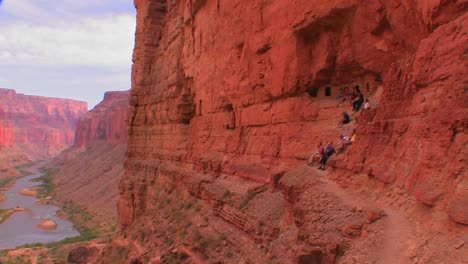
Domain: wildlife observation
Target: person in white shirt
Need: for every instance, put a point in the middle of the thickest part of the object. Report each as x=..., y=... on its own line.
x=367, y=105
x=345, y=140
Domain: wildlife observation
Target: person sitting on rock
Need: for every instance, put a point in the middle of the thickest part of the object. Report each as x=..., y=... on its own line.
x=341, y=97
x=344, y=142
x=317, y=155
x=328, y=152
x=364, y=109
x=358, y=102
x=356, y=91
x=345, y=120
x=347, y=95
x=341, y=94
x=366, y=105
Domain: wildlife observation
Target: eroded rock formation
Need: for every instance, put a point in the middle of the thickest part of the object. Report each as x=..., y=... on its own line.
x=106, y=122
x=89, y=171
x=7, y=135
x=230, y=97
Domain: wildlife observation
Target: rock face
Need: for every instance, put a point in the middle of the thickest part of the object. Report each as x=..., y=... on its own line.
x=101, y=135
x=7, y=135
x=230, y=97
x=83, y=255
x=417, y=139
x=43, y=124
x=106, y=122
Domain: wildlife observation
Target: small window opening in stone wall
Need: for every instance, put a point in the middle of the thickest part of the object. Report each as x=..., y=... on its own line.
x=229, y=107
x=200, y=104
x=328, y=91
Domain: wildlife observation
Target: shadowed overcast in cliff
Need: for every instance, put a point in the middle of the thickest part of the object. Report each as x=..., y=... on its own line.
x=71, y=49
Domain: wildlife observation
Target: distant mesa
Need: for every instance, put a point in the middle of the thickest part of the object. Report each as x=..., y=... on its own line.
x=40, y=124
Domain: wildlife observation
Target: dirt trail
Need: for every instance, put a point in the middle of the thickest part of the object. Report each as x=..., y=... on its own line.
x=398, y=236
x=397, y=233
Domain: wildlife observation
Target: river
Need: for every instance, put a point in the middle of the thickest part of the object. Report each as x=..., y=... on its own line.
x=21, y=228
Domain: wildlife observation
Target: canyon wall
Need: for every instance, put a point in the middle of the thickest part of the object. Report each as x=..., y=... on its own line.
x=100, y=139
x=228, y=100
x=34, y=127
x=7, y=135
x=39, y=124
x=106, y=122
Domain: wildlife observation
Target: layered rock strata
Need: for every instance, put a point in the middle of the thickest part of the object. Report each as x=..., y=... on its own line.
x=105, y=122
x=228, y=100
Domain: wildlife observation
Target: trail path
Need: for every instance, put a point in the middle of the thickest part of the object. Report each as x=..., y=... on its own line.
x=397, y=234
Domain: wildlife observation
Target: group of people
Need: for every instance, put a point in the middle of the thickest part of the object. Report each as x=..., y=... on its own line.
x=356, y=97
x=358, y=102
x=323, y=153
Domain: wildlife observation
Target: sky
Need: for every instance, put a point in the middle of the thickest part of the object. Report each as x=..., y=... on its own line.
x=75, y=49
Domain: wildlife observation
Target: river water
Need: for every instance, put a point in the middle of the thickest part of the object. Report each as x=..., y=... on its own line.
x=21, y=228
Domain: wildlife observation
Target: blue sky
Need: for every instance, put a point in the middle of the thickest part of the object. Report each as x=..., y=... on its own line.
x=74, y=49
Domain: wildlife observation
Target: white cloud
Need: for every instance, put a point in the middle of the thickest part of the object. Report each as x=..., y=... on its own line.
x=106, y=42
x=43, y=10
x=66, y=48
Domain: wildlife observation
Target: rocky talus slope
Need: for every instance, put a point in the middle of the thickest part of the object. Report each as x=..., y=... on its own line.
x=88, y=173
x=229, y=99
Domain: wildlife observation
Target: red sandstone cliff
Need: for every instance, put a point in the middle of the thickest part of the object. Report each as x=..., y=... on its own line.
x=100, y=140
x=230, y=97
x=7, y=135
x=44, y=125
x=107, y=121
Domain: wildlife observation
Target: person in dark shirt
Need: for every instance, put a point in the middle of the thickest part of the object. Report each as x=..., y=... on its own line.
x=358, y=102
x=345, y=120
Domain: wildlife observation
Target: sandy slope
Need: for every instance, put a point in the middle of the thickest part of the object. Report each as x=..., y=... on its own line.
x=90, y=176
